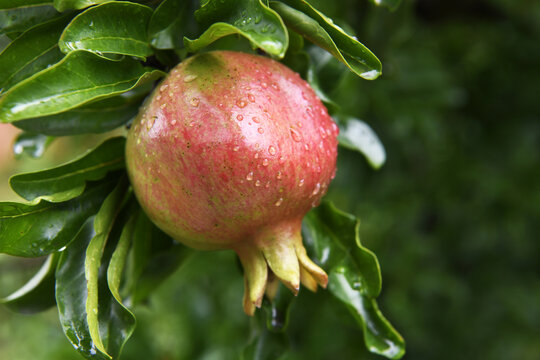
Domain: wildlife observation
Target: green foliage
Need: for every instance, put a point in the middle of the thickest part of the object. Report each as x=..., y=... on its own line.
x=79, y=67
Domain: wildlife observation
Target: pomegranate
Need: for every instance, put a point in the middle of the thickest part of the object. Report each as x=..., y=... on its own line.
x=230, y=152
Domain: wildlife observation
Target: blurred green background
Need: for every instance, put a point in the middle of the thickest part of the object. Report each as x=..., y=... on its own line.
x=453, y=215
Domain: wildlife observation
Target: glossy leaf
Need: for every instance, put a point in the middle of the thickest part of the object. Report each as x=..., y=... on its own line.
x=38, y=293
x=30, y=53
x=319, y=29
x=391, y=4
x=357, y=135
x=31, y=144
x=103, y=225
x=79, y=78
x=169, y=23
x=277, y=310
x=11, y=4
x=41, y=229
x=153, y=257
x=63, y=5
x=97, y=117
x=72, y=292
x=379, y=335
x=267, y=345
x=113, y=27
x=250, y=19
x=354, y=275
x=23, y=18
x=334, y=238
x=68, y=181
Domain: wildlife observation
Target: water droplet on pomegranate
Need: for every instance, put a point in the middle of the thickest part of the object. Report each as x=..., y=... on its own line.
x=265, y=162
x=279, y=202
x=150, y=122
x=158, y=97
x=173, y=122
x=239, y=117
x=260, y=130
x=163, y=87
x=323, y=133
x=272, y=150
x=236, y=148
x=275, y=86
x=256, y=155
x=306, y=146
x=304, y=96
x=251, y=98
x=296, y=135
x=241, y=103
x=335, y=128
x=162, y=106
x=256, y=120
x=299, y=124
x=267, y=184
x=264, y=85
x=279, y=175
x=194, y=102
x=249, y=176
x=192, y=124
x=281, y=159
x=258, y=183
x=190, y=78
x=316, y=190
x=301, y=182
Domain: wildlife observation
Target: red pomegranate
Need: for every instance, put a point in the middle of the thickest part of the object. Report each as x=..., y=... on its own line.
x=230, y=152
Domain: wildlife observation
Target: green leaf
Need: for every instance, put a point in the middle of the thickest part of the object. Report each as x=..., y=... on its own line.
x=63, y=5
x=38, y=293
x=79, y=78
x=113, y=27
x=41, y=229
x=23, y=18
x=391, y=4
x=379, y=335
x=71, y=294
x=335, y=237
x=103, y=225
x=96, y=117
x=267, y=345
x=169, y=23
x=319, y=29
x=153, y=257
x=31, y=144
x=277, y=310
x=30, y=53
x=251, y=19
x=332, y=237
x=68, y=181
x=11, y=4
x=356, y=135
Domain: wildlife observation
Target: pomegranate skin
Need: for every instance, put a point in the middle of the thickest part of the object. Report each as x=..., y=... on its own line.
x=231, y=151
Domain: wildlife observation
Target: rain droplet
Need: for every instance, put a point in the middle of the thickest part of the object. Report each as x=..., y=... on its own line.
x=251, y=98
x=272, y=150
x=190, y=78
x=279, y=175
x=256, y=120
x=323, y=133
x=249, y=177
x=241, y=103
x=236, y=148
x=162, y=106
x=260, y=130
x=296, y=135
x=173, y=122
x=299, y=124
x=301, y=183
x=335, y=128
x=281, y=159
x=192, y=124
x=194, y=102
x=239, y=117
x=258, y=183
x=306, y=146
x=265, y=162
x=264, y=85
x=304, y=96
x=256, y=155
x=150, y=122
x=316, y=190
x=267, y=184
x=163, y=87
x=158, y=97
x=277, y=203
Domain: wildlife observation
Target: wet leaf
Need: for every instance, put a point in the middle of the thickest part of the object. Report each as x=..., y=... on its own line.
x=31, y=144
x=30, y=53
x=38, y=293
x=41, y=229
x=79, y=78
x=357, y=135
x=22, y=18
x=169, y=24
x=250, y=19
x=113, y=27
x=68, y=181
x=379, y=335
x=319, y=29
x=63, y=5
